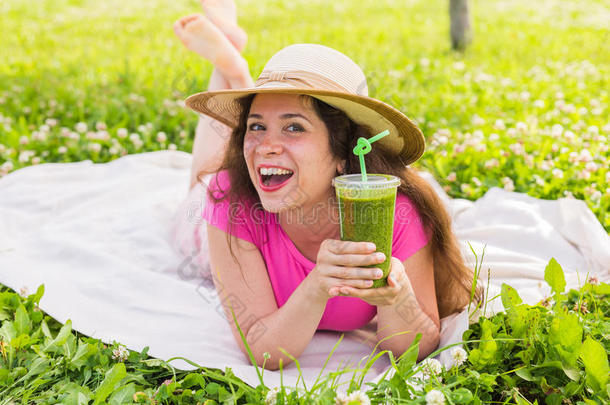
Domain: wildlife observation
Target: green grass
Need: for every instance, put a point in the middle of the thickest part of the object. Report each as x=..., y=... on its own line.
x=533, y=65
x=526, y=107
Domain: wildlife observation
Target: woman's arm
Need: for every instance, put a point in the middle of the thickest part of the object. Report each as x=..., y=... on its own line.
x=266, y=327
x=415, y=308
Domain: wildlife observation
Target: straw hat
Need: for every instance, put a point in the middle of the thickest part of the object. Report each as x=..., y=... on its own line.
x=330, y=76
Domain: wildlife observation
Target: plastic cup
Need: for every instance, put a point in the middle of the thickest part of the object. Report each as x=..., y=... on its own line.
x=366, y=213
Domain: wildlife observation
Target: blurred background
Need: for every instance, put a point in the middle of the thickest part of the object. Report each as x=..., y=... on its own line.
x=523, y=107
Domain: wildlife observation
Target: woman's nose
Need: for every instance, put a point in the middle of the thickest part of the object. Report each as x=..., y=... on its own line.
x=270, y=144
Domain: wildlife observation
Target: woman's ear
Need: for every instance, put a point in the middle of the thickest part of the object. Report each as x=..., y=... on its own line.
x=341, y=167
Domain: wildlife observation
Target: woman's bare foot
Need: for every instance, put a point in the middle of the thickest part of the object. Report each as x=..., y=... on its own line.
x=223, y=14
x=203, y=37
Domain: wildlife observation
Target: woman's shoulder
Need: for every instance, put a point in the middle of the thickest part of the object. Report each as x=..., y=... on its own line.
x=219, y=183
x=410, y=233
x=406, y=210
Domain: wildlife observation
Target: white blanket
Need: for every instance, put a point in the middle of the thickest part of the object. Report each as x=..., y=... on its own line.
x=97, y=236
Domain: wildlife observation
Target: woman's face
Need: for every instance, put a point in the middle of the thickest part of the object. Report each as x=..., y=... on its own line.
x=287, y=152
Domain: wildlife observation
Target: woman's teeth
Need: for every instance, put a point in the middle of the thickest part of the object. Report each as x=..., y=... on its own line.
x=273, y=170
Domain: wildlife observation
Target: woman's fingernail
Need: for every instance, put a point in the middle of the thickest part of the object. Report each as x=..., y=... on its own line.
x=380, y=256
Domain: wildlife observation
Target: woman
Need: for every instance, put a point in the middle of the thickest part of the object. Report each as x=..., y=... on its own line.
x=271, y=215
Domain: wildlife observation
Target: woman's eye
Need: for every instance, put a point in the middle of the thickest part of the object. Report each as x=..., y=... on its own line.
x=254, y=127
x=296, y=127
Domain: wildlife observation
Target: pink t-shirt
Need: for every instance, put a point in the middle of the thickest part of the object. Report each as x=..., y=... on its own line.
x=286, y=265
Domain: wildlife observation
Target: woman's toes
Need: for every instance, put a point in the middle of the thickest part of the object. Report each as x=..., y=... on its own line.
x=201, y=36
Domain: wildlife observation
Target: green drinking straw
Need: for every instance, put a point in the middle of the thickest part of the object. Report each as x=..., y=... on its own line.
x=364, y=146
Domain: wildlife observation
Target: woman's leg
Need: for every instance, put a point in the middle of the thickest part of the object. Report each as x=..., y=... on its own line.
x=201, y=35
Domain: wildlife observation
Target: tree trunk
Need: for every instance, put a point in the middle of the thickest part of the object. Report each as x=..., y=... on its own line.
x=460, y=24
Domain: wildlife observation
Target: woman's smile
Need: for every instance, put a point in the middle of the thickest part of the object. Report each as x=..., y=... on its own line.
x=273, y=177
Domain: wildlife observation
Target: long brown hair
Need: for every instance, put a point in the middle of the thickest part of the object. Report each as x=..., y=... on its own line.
x=450, y=273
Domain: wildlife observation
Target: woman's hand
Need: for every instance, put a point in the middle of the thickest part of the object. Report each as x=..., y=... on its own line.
x=339, y=264
x=398, y=285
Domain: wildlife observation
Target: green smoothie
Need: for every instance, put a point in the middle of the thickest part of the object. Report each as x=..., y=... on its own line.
x=367, y=214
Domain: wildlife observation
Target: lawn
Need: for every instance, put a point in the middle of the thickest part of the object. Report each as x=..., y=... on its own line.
x=525, y=108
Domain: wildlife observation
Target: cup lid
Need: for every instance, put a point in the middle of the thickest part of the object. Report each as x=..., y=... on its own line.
x=374, y=181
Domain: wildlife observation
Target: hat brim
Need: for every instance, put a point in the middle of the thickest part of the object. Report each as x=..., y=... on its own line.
x=405, y=138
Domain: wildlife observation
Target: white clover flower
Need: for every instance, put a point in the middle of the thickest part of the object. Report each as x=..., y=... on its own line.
x=171, y=146
x=24, y=291
x=431, y=367
x=25, y=156
x=557, y=173
x=585, y=156
x=121, y=133
x=491, y=163
x=539, y=180
x=39, y=136
x=442, y=139
x=358, y=398
x=458, y=356
x=494, y=137
x=476, y=181
x=35, y=160
x=51, y=122
x=24, y=140
x=271, y=397
x=557, y=130
x=606, y=128
x=591, y=167
x=7, y=166
x=161, y=137
x=539, y=103
x=435, y=397
x=182, y=134
x=61, y=150
x=521, y=126
x=596, y=196
x=499, y=125
x=100, y=126
x=81, y=127
x=477, y=121
x=512, y=132
x=593, y=129
x=458, y=148
x=94, y=147
x=524, y=95
x=120, y=353
x=459, y=65
x=568, y=194
x=340, y=397
x=452, y=176
x=583, y=175
x=517, y=148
